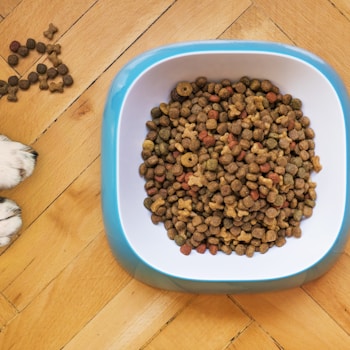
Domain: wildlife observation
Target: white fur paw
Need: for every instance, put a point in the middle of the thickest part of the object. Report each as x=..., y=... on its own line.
x=10, y=220
x=17, y=162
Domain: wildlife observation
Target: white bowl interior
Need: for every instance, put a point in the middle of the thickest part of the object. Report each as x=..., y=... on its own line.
x=320, y=103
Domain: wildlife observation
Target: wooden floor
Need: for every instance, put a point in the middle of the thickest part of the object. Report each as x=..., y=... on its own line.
x=60, y=287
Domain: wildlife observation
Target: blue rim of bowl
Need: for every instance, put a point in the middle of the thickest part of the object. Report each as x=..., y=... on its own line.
x=120, y=246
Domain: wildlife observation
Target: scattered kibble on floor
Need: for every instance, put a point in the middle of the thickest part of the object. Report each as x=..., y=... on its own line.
x=43, y=74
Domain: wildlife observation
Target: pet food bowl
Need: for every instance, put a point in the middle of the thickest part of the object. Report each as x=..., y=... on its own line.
x=144, y=249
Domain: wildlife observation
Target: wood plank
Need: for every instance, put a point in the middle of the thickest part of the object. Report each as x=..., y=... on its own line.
x=253, y=337
x=316, y=26
x=6, y=6
x=7, y=311
x=67, y=227
x=338, y=281
x=209, y=322
x=294, y=320
x=343, y=6
x=137, y=309
x=68, y=301
x=253, y=24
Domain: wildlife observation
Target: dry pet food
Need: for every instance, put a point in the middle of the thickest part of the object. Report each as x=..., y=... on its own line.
x=227, y=166
x=42, y=73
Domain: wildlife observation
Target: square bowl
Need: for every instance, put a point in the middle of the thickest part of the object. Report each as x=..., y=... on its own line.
x=143, y=248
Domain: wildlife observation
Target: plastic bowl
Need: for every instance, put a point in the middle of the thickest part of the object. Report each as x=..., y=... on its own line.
x=143, y=248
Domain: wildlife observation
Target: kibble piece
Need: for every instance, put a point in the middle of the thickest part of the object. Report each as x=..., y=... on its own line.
x=56, y=87
x=12, y=60
x=40, y=47
x=62, y=69
x=12, y=93
x=33, y=77
x=41, y=68
x=15, y=45
x=30, y=44
x=53, y=48
x=54, y=59
x=67, y=80
x=3, y=87
x=184, y=88
x=49, y=33
x=23, y=51
x=23, y=84
x=13, y=80
x=52, y=73
x=43, y=85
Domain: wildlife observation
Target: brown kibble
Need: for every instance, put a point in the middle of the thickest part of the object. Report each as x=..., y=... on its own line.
x=43, y=85
x=23, y=51
x=33, y=77
x=30, y=44
x=56, y=87
x=3, y=87
x=67, y=80
x=24, y=84
x=53, y=48
x=49, y=33
x=62, y=69
x=41, y=68
x=40, y=47
x=54, y=59
x=12, y=93
x=12, y=60
x=184, y=88
x=13, y=80
x=52, y=73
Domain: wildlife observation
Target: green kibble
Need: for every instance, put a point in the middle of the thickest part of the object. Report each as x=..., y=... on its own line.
x=297, y=215
x=288, y=179
x=212, y=164
x=148, y=202
x=296, y=103
x=271, y=143
x=164, y=134
x=279, y=201
x=179, y=240
x=254, y=84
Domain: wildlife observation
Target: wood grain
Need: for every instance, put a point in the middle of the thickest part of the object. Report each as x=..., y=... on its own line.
x=60, y=286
